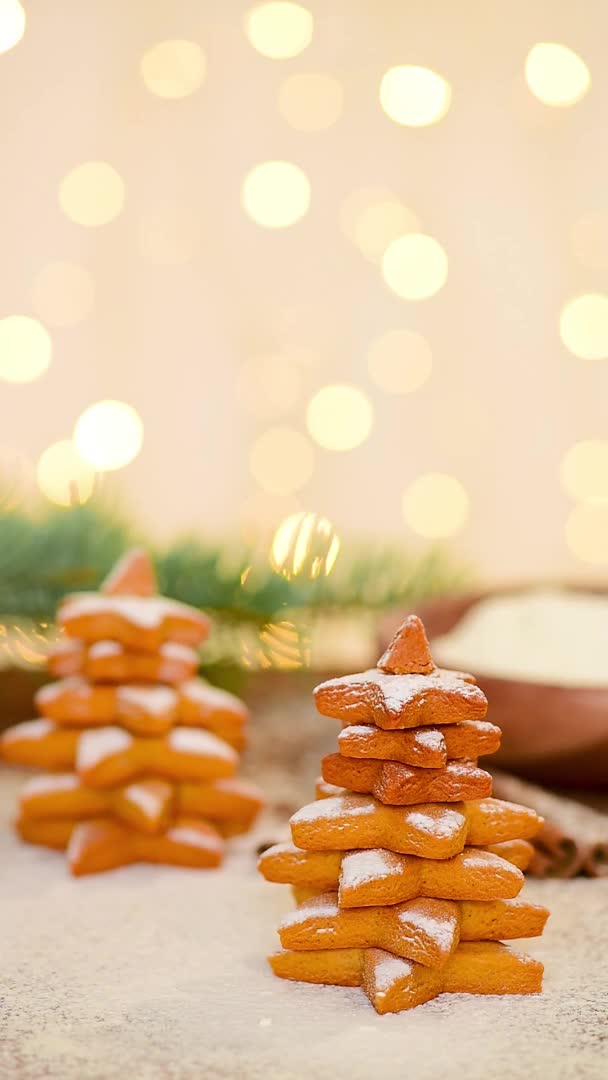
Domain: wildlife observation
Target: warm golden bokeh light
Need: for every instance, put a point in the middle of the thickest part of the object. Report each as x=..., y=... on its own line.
x=63, y=476
x=589, y=239
x=269, y=385
x=587, y=531
x=284, y=646
x=25, y=349
x=339, y=417
x=415, y=266
x=92, y=194
x=414, y=96
x=173, y=69
x=305, y=544
x=12, y=24
x=276, y=194
x=435, y=505
x=168, y=235
x=400, y=361
x=310, y=101
x=108, y=435
x=583, y=326
x=584, y=469
x=279, y=30
x=282, y=460
x=63, y=293
x=556, y=75
x=372, y=218
x=380, y=224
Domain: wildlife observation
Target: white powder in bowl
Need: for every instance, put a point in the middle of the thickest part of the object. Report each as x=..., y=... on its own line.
x=556, y=636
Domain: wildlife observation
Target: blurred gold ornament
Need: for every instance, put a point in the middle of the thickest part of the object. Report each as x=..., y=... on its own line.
x=400, y=361
x=310, y=101
x=12, y=24
x=414, y=96
x=587, y=531
x=279, y=30
x=339, y=417
x=285, y=646
x=556, y=75
x=282, y=460
x=415, y=266
x=25, y=645
x=435, y=505
x=173, y=69
x=108, y=435
x=63, y=476
x=276, y=194
x=25, y=349
x=584, y=469
x=583, y=326
x=92, y=194
x=63, y=293
x=305, y=544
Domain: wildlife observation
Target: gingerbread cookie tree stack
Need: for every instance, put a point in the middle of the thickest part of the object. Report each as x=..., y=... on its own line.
x=142, y=753
x=406, y=871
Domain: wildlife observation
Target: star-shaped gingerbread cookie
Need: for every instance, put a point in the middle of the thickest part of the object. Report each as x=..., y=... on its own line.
x=406, y=690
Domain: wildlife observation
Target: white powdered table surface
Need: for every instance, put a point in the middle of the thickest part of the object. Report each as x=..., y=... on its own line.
x=151, y=972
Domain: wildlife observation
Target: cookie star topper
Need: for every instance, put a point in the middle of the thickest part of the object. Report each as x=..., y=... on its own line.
x=409, y=652
x=133, y=575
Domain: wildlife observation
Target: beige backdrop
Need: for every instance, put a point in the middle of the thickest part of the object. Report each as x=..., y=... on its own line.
x=500, y=181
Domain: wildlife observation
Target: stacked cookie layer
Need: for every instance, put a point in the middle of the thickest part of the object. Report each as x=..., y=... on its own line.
x=141, y=754
x=406, y=872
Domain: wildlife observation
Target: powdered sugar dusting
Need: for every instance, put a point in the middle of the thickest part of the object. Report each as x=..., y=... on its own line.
x=478, y=859
x=442, y=824
x=203, y=743
x=388, y=970
x=334, y=807
x=29, y=729
x=285, y=847
x=73, y=684
x=148, y=612
x=462, y=769
x=431, y=740
x=144, y=797
x=100, y=649
x=360, y=867
x=360, y=730
x=191, y=837
x=210, y=697
x=156, y=700
x=324, y=910
x=173, y=650
x=95, y=746
x=238, y=787
x=440, y=928
x=399, y=691
x=42, y=785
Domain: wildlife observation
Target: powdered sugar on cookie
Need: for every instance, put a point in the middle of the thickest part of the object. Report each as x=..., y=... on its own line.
x=95, y=746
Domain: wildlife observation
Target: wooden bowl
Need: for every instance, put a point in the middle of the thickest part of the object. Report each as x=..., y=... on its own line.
x=551, y=734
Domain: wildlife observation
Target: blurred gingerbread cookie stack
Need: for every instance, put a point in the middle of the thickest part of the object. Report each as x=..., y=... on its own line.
x=406, y=871
x=141, y=753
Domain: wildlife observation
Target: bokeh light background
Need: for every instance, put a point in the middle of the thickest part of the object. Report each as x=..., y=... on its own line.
x=343, y=257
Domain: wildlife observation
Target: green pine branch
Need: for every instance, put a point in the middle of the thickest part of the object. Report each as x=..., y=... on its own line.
x=44, y=556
